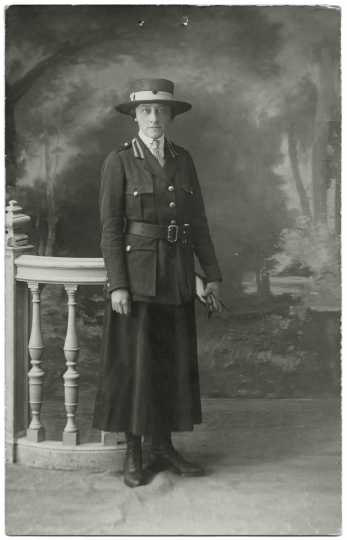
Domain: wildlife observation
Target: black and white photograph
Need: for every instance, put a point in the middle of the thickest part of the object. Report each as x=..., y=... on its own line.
x=172, y=255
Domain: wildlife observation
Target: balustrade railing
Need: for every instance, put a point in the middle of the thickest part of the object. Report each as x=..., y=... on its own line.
x=25, y=372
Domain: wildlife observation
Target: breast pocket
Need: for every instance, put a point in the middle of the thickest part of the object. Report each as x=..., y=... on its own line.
x=141, y=258
x=139, y=194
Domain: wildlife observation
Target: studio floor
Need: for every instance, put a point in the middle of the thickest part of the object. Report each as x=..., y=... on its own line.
x=272, y=468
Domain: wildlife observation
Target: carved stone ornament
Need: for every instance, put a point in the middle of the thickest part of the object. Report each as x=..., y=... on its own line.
x=16, y=224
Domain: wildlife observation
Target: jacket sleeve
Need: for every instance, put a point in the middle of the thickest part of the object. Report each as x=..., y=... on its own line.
x=111, y=203
x=203, y=246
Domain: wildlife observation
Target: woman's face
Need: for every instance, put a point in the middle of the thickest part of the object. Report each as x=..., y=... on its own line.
x=153, y=118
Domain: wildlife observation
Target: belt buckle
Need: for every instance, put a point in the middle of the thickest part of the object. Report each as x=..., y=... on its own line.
x=172, y=233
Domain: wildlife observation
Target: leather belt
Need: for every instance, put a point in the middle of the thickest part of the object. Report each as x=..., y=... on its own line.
x=172, y=232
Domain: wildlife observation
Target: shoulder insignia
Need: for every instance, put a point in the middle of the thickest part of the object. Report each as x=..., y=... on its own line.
x=125, y=146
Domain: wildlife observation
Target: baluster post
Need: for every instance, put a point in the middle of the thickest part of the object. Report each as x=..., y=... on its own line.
x=35, y=431
x=16, y=328
x=71, y=376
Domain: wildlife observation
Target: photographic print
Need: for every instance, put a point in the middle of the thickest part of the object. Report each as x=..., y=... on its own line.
x=173, y=270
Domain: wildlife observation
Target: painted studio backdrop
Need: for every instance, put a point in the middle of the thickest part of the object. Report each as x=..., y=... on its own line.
x=264, y=133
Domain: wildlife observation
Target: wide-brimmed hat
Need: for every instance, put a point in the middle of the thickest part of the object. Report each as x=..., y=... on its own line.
x=153, y=90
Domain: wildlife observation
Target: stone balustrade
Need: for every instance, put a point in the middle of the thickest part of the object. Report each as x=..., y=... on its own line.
x=25, y=434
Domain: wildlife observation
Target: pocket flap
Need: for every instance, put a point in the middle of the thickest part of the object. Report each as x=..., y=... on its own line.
x=188, y=189
x=135, y=242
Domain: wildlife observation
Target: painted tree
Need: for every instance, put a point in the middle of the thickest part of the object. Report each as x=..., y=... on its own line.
x=312, y=121
x=312, y=107
x=298, y=123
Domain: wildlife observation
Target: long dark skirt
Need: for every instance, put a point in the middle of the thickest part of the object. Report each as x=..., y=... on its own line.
x=149, y=375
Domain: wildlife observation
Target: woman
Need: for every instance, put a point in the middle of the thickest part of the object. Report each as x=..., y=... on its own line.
x=153, y=222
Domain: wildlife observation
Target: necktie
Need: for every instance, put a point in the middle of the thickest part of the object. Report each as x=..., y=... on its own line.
x=156, y=152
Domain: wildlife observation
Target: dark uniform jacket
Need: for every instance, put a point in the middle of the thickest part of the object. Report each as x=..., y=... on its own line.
x=135, y=187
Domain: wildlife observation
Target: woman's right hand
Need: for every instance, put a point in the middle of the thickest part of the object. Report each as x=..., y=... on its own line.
x=121, y=302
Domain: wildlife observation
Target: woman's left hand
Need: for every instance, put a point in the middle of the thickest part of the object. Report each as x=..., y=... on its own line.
x=212, y=295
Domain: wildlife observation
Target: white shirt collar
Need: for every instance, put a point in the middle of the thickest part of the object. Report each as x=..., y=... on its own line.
x=148, y=142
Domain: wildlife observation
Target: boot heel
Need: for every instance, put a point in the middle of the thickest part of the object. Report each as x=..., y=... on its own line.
x=133, y=470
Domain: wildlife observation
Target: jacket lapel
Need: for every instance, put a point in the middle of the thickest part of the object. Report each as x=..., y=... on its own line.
x=171, y=160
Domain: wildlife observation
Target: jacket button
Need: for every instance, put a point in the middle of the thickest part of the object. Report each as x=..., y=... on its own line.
x=172, y=204
x=128, y=247
x=135, y=193
x=170, y=188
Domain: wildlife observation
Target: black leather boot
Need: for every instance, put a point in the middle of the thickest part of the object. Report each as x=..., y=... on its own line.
x=133, y=473
x=165, y=457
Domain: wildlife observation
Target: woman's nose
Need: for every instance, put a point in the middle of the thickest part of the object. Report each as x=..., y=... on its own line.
x=153, y=115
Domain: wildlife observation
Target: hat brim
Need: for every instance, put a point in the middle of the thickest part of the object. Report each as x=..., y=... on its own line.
x=178, y=107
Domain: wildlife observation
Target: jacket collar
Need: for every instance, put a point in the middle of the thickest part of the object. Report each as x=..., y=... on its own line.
x=148, y=141
x=137, y=148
